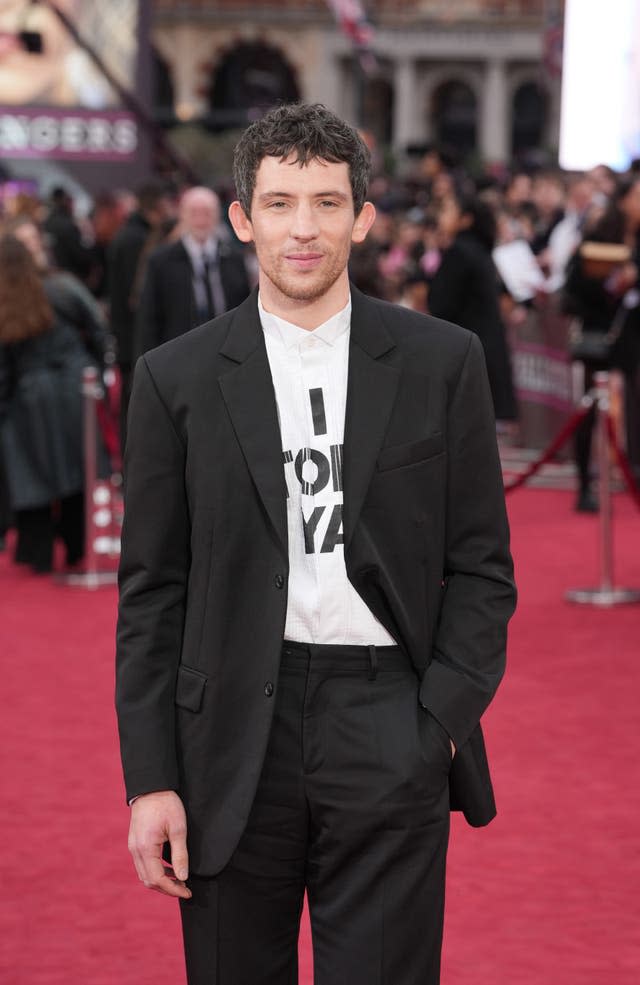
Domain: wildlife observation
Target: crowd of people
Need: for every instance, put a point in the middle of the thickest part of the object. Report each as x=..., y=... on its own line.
x=147, y=266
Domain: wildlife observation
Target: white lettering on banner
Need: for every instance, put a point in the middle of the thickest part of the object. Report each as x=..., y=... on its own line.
x=14, y=133
x=69, y=136
x=98, y=135
x=125, y=136
x=72, y=133
x=44, y=133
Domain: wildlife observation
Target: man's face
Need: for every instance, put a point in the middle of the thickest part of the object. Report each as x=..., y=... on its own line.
x=200, y=214
x=302, y=223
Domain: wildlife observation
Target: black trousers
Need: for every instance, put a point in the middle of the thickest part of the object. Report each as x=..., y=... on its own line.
x=353, y=806
x=37, y=529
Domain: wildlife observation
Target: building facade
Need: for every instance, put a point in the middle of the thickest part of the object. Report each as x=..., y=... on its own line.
x=478, y=78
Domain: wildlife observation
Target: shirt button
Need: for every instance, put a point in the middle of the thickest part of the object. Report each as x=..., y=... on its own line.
x=279, y=581
x=268, y=689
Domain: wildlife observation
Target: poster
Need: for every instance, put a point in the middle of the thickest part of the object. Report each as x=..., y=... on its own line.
x=54, y=100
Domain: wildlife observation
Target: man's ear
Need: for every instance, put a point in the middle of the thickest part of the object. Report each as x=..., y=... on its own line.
x=363, y=223
x=241, y=225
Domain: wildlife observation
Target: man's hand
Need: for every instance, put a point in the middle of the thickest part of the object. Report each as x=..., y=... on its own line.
x=156, y=818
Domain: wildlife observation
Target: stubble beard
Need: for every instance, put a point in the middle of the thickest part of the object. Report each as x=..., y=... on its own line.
x=308, y=287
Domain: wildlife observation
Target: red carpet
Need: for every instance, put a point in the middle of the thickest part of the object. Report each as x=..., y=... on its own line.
x=545, y=896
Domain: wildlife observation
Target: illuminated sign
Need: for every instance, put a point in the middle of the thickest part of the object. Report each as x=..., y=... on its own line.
x=79, y=134
x=55, y=101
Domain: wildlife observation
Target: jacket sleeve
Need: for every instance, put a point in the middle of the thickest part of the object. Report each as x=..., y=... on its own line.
x=91, y=322
x=153, y=574
x=468, y=658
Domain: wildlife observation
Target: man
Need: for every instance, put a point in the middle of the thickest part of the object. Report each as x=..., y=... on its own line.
x=154, y=206
x=65, y=238
x=566, y=235
x=315, y=586
x=192, y=280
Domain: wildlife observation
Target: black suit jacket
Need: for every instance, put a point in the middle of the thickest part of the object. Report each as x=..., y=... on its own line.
x=124, y=255
x=204, y=560
x=167, y=306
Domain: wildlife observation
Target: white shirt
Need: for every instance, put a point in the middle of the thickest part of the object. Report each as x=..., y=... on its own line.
x=198, y=254
x=309, y=372
x=563, y=242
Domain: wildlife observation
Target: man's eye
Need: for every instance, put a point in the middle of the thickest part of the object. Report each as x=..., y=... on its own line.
x=328, y=204
x=277, y=205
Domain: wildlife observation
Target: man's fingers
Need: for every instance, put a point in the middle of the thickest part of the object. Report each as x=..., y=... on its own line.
x=153, y=875
x=170, y=887
x=157, y=818
x=179, y=856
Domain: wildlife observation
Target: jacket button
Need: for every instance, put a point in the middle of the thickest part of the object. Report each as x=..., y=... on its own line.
x=279, y=581
x=268, y=689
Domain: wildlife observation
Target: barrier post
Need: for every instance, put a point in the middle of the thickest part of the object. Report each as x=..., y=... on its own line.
x=98, y=511
x=606, y=594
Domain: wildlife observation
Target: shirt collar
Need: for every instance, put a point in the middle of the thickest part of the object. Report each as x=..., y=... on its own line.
x=291, y=335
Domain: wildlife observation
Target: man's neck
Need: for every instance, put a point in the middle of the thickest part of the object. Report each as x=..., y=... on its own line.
x=306, y=314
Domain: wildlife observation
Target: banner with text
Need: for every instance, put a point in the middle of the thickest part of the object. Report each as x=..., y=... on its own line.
x=55, y=100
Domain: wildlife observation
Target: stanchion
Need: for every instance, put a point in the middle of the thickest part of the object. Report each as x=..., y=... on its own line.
x=606, y=594
x=101, y=535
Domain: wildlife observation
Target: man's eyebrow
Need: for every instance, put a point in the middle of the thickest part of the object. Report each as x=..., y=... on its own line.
x=275, y=194
x=333, y=194
x=326, y=194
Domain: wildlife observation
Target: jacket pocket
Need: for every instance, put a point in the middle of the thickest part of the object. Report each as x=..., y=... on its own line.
x=395, y=456
x=190, y=687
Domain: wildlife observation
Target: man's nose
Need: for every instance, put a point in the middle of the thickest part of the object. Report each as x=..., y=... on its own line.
x=305, y=223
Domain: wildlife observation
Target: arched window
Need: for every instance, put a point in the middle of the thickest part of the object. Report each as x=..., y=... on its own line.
x=454, y=114
x=528, y=118
x=249, y=80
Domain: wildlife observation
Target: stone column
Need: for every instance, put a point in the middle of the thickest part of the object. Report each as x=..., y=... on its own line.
x=495, y=116
x=327, y=83
x=408, y=113
x=186, y=49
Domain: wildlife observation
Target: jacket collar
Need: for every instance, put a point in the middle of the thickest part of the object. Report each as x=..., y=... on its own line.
x=247, y=390
x=368, y=330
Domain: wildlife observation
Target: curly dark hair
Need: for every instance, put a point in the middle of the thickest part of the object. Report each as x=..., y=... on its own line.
x=311, y=132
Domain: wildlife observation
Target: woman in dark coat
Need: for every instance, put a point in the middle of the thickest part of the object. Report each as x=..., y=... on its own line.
x=42, y=356
x=465, y=290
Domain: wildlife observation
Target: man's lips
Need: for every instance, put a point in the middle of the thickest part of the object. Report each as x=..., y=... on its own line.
x=304, y=261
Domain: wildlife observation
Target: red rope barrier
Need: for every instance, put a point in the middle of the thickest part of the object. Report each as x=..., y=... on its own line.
x=109, y=433
x=623, y=462
x=549, y=452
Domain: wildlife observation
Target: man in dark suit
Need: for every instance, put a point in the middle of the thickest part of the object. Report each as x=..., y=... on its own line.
x=65, y=238
x=154, y=207
x=192, y=280
x=315, y=589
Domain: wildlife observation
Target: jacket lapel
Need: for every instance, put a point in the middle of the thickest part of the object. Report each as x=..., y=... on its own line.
x=182, y=286
x=248, y=393
x=371, y=393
